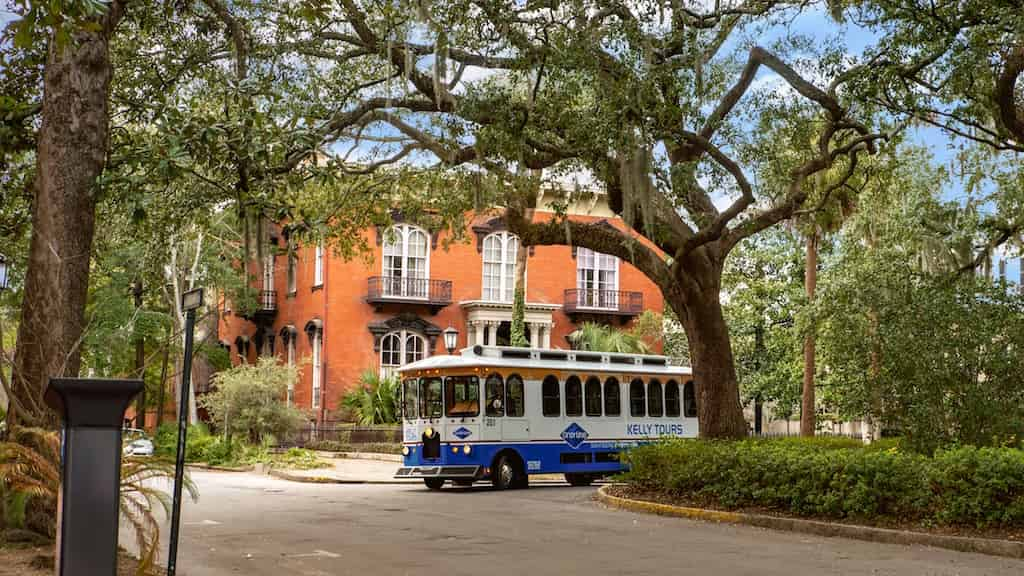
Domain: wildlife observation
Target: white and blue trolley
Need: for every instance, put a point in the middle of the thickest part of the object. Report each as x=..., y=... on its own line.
x=500, y=414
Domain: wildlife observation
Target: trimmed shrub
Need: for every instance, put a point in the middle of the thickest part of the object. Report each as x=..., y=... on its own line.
x=832, y=478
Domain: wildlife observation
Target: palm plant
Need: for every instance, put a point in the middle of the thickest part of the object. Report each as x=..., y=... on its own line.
x=375, y=400
x=30, y=464
x=599, y=338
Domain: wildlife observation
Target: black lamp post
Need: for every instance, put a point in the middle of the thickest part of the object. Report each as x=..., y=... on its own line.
x=451, y=339
x=190, y=301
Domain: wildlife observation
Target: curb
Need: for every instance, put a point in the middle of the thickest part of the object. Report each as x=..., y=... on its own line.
x=990, y=546
x=331, y=480
x=220, y=468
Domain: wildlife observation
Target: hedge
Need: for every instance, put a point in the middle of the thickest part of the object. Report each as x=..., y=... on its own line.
x=965, y=486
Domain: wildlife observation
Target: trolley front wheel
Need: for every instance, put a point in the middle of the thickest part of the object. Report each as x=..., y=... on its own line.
x=434, y=483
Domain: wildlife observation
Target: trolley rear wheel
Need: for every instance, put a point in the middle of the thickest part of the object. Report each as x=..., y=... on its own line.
x=434, y=483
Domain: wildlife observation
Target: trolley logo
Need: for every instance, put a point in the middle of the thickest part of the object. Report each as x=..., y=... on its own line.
x=462, y=433
x=574, y=435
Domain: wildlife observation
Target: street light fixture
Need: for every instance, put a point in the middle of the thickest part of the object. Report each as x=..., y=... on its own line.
x=4, y=273
x=451, y=339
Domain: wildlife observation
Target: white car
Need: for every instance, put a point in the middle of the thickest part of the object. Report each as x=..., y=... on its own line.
x=136, y=444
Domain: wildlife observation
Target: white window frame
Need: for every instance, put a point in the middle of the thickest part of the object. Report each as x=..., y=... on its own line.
x=506, y=263
x=290, y=354
x=398, y=239
x=268, y=272
x=598, y=263
x=318, y=265
x=317, y=368
x=403, y=337
x=291, y=270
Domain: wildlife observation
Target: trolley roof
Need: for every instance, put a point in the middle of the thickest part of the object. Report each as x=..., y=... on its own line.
x=551, y=359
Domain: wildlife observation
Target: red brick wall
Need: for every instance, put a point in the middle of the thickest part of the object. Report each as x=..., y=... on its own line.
x=340, y=305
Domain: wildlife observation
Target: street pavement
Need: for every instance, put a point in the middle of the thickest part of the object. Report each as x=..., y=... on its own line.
x=246, y=523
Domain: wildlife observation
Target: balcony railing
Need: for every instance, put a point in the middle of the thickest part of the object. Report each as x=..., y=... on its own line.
x=268, y=301
x=390, y=289
x=608, y=302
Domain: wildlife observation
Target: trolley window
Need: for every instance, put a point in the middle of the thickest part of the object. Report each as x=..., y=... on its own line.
x=409, y=399
x=689, y=400
x=430, y=397
x=515, y=396
x=573, y=396
x=672, y=399
x=552, y=397
x=494, y=393
x=462, y=396
x=593, y=396
x=637, y=401
x=655, y=401
x=612, y=400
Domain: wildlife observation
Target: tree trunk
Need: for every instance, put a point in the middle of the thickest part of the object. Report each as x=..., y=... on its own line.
x=163, y=381
x=807, y=407
x=518, y=331
x=714, y=373
x=140, y=362
x=71, y=153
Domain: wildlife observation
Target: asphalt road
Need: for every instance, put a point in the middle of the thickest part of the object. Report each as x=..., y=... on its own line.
x=257, y=525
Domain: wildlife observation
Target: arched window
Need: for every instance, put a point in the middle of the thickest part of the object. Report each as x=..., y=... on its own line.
x=552, y=397
x=612, y=401
x=494, y=395
x=597, y=279
x=515, y=396
x=399, y=348
x=593, y=396
x=689, y=400
x=637, y=400
x=672, y=399
x=573, y=396
x=499, y=274
x=406, y=259
x=655, y=401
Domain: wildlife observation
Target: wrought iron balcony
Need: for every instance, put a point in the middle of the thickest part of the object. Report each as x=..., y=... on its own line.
x=435, y=294
x=596, y=303
x=266, y=307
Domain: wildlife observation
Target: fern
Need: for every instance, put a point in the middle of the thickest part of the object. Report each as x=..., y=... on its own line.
x=30, y=465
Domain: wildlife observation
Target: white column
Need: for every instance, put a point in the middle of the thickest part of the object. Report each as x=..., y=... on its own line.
x=478, y=332
x=534, y=335
x=547, y=336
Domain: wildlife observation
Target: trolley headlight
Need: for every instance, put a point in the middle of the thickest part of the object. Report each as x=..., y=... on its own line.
x=429, y=432
x=405, y=450
x=455, y=449
x=467, y=449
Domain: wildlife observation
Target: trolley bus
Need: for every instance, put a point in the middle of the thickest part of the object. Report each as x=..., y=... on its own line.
x=501, y=414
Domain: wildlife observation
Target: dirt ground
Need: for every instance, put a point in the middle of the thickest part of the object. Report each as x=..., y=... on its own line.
x=25, y=560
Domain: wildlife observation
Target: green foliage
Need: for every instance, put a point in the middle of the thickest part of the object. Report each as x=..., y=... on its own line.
x=30, y=468
x=344, y=446
x=375, y=400
x=603, y=338
x=835, y=478
x=249, y=400
x=764, y=281
x=205, y=448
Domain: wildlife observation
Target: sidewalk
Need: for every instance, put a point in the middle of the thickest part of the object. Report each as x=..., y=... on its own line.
x=365, y=471
x=354, y=470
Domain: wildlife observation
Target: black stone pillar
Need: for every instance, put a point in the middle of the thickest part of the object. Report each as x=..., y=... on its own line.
x=87, y=512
